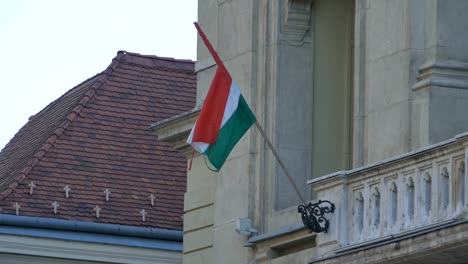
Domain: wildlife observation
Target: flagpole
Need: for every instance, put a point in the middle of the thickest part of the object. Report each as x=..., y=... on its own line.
x=291, y=180
x=208, y=45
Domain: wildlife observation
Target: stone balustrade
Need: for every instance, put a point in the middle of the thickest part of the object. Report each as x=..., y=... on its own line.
x=408, y=193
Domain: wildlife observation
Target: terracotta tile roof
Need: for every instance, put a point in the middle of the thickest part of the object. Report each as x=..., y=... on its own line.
x=97, y=137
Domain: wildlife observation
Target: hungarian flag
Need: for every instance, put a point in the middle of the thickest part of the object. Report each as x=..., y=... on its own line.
x=224, y=117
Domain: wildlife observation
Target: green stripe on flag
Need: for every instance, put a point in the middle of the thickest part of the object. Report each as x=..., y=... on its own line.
x=230, y=134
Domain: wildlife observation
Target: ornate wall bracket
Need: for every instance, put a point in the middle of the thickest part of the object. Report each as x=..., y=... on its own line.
x=313, y=217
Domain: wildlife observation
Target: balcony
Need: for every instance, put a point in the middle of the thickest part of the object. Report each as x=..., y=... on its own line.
x=408, y=196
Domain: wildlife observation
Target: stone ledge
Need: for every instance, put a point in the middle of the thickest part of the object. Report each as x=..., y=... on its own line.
x=176, y=129
x=274, y=234
x=204, y=64
x=284, y=243
x=447, y=74
x=417, y=247
x=332, y=177
x=387, y=239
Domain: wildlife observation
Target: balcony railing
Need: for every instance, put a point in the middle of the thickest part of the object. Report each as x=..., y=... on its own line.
x=407, y=193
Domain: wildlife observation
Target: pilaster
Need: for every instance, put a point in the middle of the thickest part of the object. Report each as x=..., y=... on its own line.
x=441, y=87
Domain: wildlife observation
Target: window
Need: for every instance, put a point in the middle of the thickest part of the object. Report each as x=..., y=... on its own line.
x=313, y=93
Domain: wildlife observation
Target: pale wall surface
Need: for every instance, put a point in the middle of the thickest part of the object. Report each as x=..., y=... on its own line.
x=405, y=84
x=387, y=94
x=45, y=250
x=412, y=76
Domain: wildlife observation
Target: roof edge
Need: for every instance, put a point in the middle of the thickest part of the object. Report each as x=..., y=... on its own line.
x=37, y=156
x=172, y=118
x=90, y=227
x=155, y=57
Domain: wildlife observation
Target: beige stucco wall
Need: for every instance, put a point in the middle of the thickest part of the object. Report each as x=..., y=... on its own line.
x=398, y=108
x=370, y=99
x=247, y=37
x=199, y=213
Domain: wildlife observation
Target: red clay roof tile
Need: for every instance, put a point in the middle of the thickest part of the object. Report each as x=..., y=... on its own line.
x=96, y=137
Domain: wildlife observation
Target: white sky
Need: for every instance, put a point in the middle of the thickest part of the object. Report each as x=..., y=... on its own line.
x=48, y=46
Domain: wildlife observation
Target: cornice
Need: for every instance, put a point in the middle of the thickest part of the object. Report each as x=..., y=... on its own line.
x=176, y=130
x=446, y=74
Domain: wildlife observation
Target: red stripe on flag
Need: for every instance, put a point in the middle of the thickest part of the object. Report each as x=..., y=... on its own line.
x=211, y=114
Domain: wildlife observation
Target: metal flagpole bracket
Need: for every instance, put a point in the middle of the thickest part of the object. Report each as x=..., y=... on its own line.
x=313, y=215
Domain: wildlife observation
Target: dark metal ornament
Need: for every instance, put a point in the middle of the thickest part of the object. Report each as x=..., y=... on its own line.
x=313, y=217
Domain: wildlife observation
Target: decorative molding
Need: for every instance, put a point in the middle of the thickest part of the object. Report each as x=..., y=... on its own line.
x=296, y=25
x=359, y=197
x=56, y=248
x=374, y=243
x=427, y=177
x=444, y=172
x=176, y=130
x=410, y=182
x=329, y=181
x=376, y=192
x=447, y=74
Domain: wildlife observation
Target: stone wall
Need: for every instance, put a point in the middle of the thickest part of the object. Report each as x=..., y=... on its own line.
x=336, y=85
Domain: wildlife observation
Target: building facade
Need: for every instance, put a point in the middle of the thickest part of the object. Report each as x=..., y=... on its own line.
x=365, y=101
x=85, y=181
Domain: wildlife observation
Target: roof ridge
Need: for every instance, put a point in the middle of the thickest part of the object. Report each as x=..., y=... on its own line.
x=40, y=152
x=154, y=56
x=65, y=94
x=169, y=69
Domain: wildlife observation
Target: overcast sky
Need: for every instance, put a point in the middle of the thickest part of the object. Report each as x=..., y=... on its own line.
x=48, y=47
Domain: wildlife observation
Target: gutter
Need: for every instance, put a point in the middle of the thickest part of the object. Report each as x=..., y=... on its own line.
x=146, y=237
x=90, y=227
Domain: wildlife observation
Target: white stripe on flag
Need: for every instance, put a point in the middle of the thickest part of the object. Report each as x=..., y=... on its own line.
x=232, y=103
x=231, y=106
x=199, y=146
